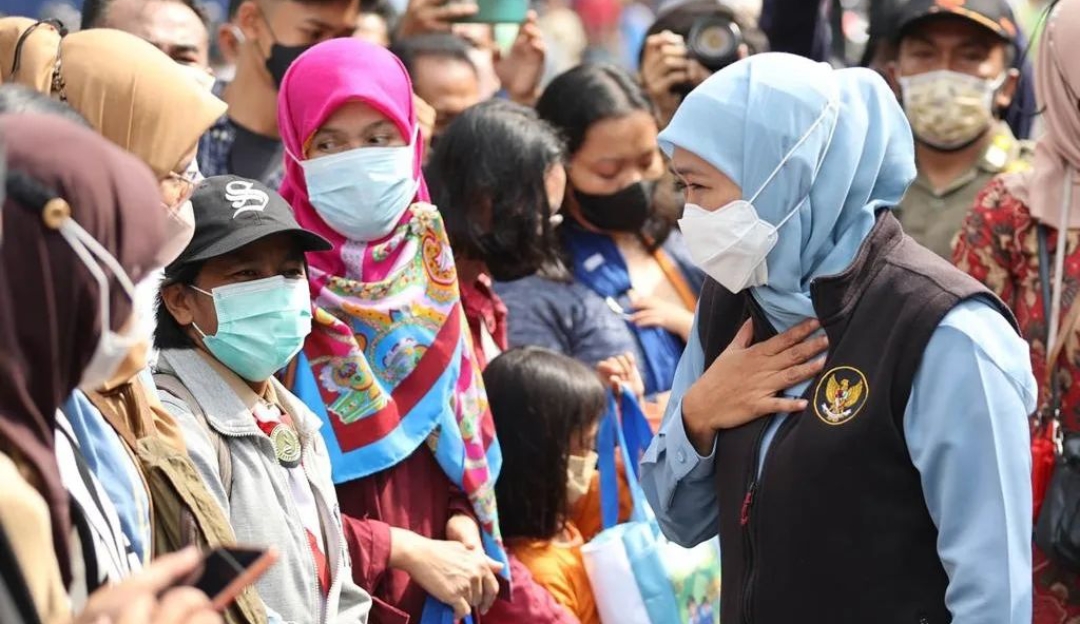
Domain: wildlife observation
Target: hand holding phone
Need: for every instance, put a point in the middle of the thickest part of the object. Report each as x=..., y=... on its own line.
x=226, y=571
x=429, y=16
x=154, y=595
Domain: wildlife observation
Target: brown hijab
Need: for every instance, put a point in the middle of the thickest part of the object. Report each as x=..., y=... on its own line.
x=130, y=91
x=49, y=326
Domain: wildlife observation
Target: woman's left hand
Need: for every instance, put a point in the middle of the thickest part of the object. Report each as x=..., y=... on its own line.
x=654, y=312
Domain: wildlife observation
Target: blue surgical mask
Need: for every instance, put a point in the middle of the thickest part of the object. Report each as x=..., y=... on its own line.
x=363, y=192
x=261, y=325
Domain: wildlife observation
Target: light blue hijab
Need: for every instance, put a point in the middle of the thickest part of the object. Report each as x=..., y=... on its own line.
x=860, y=158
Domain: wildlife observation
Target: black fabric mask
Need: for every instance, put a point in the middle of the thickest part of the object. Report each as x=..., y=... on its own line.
x=281, y=57
x=624, y=211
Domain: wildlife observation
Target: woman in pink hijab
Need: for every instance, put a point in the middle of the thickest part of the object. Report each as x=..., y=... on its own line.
x=389, y=365
x=1012, y=242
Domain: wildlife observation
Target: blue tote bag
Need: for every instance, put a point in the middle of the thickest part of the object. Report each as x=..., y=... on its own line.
x=637, y=575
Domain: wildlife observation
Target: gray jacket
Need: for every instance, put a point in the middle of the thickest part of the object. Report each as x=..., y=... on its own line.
x=259, y=503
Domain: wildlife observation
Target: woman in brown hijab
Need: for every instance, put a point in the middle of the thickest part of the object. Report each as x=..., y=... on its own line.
x=138, y=98
x=129, y=91
x=74, y=220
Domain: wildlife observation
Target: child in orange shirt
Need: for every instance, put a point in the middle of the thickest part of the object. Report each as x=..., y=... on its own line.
x=547, y=409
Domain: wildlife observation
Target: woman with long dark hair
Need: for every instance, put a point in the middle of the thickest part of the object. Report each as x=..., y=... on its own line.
x=614, y=245
x=498, y=180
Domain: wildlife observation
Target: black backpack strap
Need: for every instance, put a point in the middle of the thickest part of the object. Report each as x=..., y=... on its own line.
x=1047, y=297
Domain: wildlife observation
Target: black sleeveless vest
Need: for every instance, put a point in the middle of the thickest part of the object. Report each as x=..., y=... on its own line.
x=835, y=529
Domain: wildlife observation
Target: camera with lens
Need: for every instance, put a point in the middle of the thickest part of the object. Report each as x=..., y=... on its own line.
x=714, y=41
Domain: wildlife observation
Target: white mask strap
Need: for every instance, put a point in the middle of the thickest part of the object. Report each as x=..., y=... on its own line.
x=791, y=152
x=86, y=247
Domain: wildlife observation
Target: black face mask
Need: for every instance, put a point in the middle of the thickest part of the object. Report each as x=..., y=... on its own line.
x=281, y=57
x=624, y=211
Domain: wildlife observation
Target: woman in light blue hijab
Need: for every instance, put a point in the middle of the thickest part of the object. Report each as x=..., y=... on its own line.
x=790, y=169
x=846, y=151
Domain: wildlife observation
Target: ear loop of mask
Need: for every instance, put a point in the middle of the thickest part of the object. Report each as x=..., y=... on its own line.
x=195, y=325
x=3, y=187
x=86, y=248
x=832, y=104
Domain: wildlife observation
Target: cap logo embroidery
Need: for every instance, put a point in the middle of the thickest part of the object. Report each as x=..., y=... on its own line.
x=245, y=198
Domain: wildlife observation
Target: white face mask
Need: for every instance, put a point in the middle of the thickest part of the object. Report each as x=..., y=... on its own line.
x=180, y=227
x=112, y=348
x=948, y=110
x=579, y=474
x=731, y=244
x=363, y=192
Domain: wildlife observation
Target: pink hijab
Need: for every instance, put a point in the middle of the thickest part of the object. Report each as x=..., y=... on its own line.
x=390, y=361
x=1057, y=155
x=317, y=84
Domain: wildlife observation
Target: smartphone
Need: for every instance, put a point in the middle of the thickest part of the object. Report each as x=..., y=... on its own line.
x=499, y=12
x=227, y=570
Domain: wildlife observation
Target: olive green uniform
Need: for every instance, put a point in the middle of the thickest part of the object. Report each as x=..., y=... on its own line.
x=934, y=218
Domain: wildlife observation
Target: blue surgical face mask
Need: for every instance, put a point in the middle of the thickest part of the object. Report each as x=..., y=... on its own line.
x=261, y=325
x=363, y=192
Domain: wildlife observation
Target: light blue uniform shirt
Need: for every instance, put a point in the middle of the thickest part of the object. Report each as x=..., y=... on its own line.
x=114, y=467
x=967, y=432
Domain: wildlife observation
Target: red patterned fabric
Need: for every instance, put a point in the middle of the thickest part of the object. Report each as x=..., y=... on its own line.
x=999, y=246
x=484, y=311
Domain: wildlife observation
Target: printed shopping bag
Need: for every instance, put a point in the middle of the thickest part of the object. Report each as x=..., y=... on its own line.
x=638, y=576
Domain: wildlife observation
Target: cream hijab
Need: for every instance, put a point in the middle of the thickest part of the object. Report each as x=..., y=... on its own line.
x=1057, y=154
x=129, y=91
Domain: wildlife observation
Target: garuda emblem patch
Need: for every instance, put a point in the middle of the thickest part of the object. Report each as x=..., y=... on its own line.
x=840, y=395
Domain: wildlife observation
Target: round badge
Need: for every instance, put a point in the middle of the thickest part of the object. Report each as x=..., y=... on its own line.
x=840, y=395
x=286, y=445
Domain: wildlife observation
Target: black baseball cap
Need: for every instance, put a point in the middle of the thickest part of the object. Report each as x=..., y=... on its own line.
x=231, y=212
x=994, y=15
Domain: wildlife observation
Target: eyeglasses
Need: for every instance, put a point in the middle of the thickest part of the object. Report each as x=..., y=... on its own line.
x=177, y=189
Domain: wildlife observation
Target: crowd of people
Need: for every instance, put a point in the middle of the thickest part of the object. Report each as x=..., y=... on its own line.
x=359, y=302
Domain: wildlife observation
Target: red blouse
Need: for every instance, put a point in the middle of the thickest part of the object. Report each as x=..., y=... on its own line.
x=998, y=245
